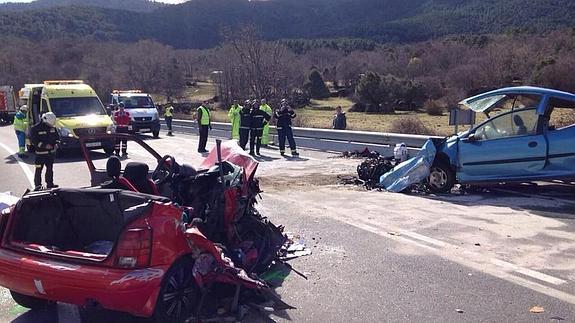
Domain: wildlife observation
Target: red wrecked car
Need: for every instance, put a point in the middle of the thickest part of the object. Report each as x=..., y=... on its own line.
x=146, y=243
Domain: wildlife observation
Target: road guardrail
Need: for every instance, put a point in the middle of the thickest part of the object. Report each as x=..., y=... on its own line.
x=323, y=139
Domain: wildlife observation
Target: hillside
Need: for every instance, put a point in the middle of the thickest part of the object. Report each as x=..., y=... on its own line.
x=130, y=5
x=197, y=24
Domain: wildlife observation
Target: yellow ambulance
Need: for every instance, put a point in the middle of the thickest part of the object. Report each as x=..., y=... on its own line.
x=78, y=109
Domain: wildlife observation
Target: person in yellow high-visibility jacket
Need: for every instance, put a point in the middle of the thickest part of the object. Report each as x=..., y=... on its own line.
x=234, y=115
x=20, y=126
x=204, y=125
x=266, y=132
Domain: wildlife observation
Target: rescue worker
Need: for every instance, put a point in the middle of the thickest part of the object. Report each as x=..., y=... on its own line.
x=266, y=131
x=45, y=139
x=258, y=120
x=20, y=126
x=168, y=116
x=234, y=115
x=122, y=121
x=284, y=127
x=245, y=124
x=204, y=125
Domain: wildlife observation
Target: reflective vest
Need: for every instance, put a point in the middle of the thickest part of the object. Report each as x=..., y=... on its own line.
x=267, y=109
x=169, y=111
x=205, y=121
x=20, y=122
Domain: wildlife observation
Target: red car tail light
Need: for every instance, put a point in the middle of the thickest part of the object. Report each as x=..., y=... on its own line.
x=134, y=248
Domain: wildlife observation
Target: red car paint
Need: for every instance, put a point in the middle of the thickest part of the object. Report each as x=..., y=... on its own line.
x=80, y=282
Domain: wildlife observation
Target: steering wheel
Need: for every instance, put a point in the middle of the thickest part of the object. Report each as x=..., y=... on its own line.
x=164, y=170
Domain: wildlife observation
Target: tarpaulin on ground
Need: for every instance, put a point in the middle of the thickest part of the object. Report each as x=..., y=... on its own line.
x=412, y=171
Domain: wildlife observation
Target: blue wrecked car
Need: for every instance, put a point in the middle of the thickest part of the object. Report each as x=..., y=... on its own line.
x=529, y=134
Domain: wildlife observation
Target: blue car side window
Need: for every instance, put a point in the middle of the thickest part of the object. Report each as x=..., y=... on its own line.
x=516, y=123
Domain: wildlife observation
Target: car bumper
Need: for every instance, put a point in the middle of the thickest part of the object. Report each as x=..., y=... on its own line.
x=74, y=143
x=150, y=126
x=131, y=291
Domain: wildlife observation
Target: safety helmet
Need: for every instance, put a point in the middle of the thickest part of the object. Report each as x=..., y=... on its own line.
x=248, y=102
x=49, y=118
x=121, y=105
x=24, y=108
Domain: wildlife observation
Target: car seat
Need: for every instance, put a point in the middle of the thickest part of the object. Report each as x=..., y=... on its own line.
x=114, y=171
x=521, y=128
x=137, y=174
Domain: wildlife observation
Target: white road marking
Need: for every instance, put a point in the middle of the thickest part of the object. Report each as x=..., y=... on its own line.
x=22, y=164
x=494, y=267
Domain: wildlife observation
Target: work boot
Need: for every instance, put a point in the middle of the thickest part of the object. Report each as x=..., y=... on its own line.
x=170, y=133
x=117, y=153
x=49, y=186
x=124, y=154
x=252, y=153
x=283, y=153
x=295, y=153
x=37, y=188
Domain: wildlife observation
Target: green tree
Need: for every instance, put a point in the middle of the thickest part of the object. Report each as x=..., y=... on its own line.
x=368, y=90
x=315, y=86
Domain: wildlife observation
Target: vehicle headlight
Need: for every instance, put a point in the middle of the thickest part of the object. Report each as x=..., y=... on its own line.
x=65, y=132
x=111, y=129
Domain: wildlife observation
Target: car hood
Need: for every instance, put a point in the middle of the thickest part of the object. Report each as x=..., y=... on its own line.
x=84, y=122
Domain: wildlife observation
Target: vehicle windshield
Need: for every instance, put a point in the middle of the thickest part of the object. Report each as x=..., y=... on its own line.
x=483, y=104
x=74, y=107
x=136, y=101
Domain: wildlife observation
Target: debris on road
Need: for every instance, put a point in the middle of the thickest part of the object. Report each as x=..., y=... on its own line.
x=458, y=310
x=537, y=309
x=294, y=248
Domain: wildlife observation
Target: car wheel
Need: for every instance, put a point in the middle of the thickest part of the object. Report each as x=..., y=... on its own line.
x=109, y=150
x=29, y=301
x=441, y=178
x=179, y=294
x=156, y=133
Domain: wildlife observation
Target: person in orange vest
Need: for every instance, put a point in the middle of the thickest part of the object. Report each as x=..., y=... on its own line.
x=122, y=121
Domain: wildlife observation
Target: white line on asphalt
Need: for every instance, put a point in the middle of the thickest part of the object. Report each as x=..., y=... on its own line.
x=529, y=272
x=22, y=164
x=494, y=267
x=68, y=313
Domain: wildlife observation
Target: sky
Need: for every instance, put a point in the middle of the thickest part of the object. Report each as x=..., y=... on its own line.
x=165, y=1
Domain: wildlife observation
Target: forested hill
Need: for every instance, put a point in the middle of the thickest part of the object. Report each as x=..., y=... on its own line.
x=197, y=24
x=130, y=5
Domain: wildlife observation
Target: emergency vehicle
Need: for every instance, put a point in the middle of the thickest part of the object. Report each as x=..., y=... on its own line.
x=78, y=109
x=8, y=106
x=143, y=112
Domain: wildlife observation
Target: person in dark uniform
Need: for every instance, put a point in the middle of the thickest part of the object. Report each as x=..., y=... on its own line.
x=258, y=120
x=245, y=124
x=284, y=117
x=45, y=139
x=122, y=121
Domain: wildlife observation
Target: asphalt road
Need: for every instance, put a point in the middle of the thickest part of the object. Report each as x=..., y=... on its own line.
x=486, y=256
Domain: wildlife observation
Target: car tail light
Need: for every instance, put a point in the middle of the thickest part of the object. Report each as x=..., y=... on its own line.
x=134, y=248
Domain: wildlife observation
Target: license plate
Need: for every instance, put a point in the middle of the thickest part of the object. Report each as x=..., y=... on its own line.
x=93, y=144
x=130, y=128
x=144, y=129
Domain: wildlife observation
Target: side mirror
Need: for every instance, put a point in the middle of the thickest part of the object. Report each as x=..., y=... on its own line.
x=470, y=138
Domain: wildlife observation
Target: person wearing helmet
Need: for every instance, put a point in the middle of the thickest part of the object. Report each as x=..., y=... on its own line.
x=284, y=127
x=122, y=121
x=45, y=138
x=20, y=126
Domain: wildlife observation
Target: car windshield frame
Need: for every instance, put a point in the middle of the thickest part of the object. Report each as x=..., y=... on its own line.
x=70, y=107
x=128, y=104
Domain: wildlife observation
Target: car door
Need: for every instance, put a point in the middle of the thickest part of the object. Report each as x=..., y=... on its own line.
x=509, y=146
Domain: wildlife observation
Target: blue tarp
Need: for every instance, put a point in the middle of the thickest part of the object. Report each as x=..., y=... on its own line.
x=411, y=171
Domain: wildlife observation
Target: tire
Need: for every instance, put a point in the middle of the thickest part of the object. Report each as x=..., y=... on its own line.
x=156, y=133
x=178, y=295
x=30, y=302
x=109, y=150
x=441, y=177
